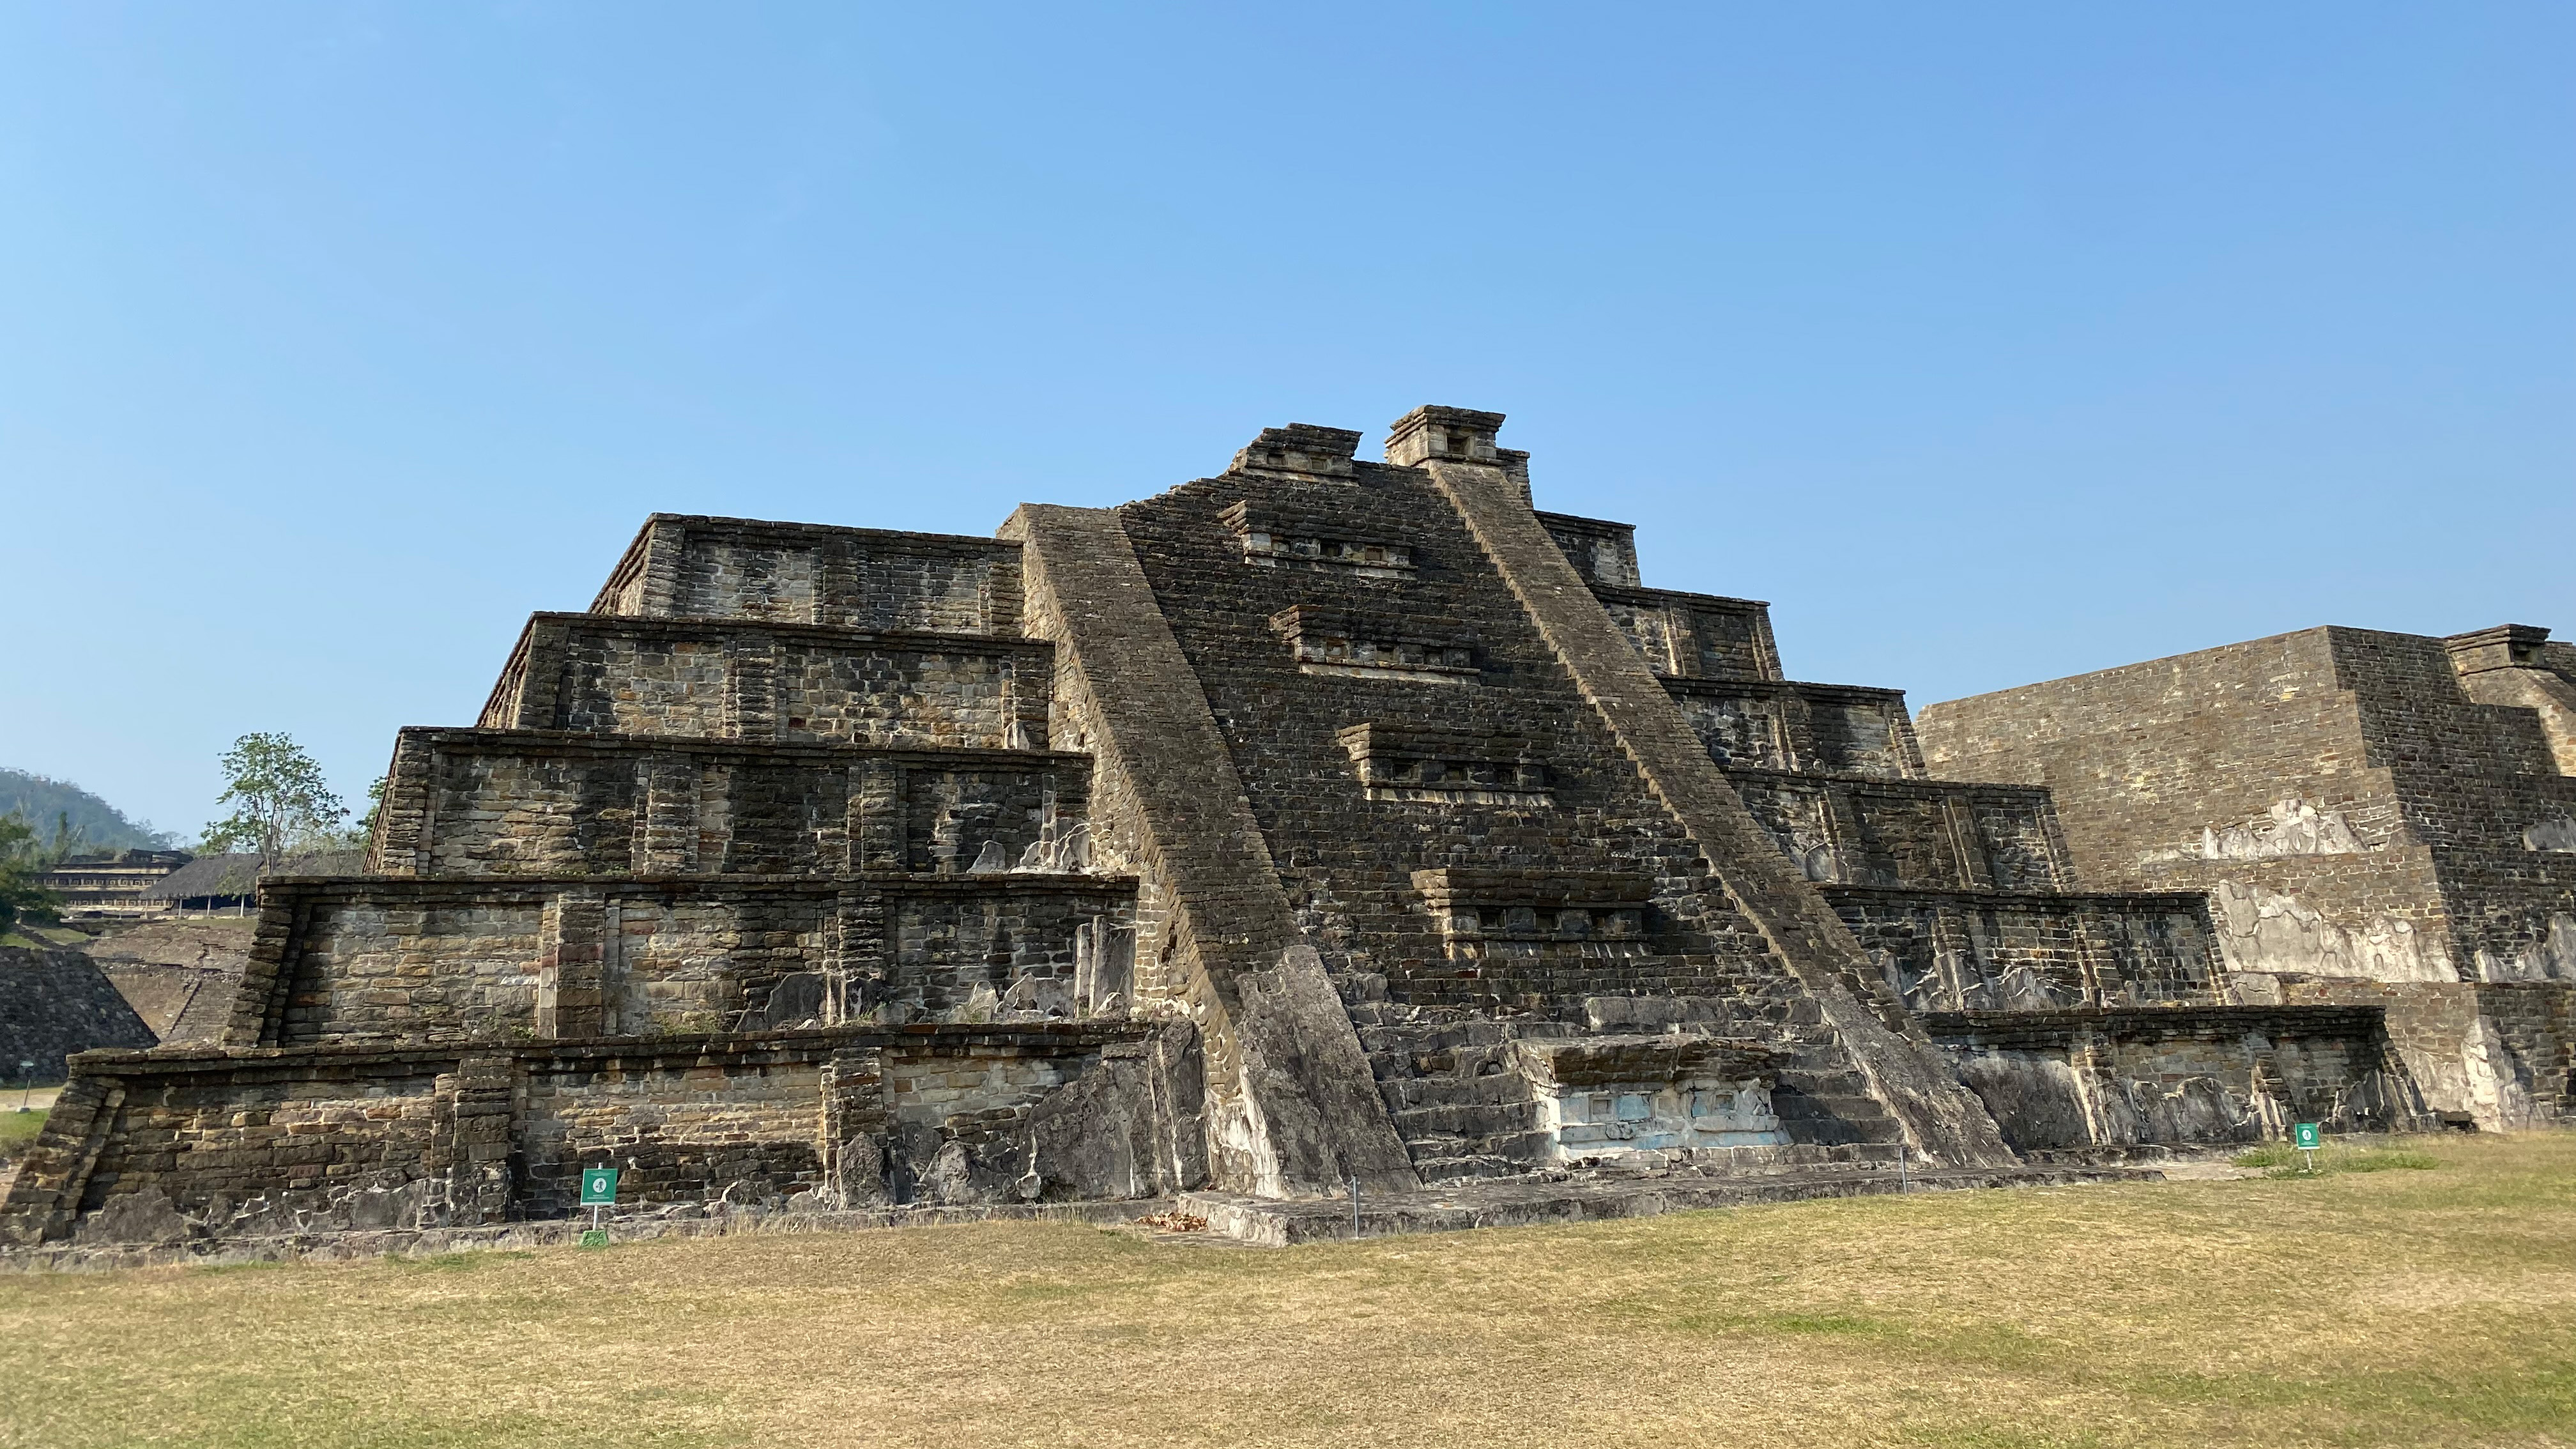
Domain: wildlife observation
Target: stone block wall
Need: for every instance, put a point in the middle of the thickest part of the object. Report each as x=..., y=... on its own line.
x=1975, y=950
x=1694, y=636
x=2143, y=760
x=730, y=679
x=2352, y=809
x=169, y=1147
x=1601, y=551
x=1837, y=729
x=179, y=973
x=2531, y=1040
x=2482, y=786
x=679, y=1128
x=237, y=1147
x=2074, y=1080
x=2461, y=1066
x=491, y=802
x=855, y=578
x=57, y=1002
x=509, y=958
x=1922, y=834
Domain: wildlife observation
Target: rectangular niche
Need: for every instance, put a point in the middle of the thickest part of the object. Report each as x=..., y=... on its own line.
x=1486, y=913
x=1337, y=642
x=1446, y=767
x=1271, y=539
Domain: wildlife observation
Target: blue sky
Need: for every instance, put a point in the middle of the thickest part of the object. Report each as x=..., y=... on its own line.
x=1992, y=343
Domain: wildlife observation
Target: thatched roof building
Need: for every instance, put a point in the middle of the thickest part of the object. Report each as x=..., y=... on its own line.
x=231, y=881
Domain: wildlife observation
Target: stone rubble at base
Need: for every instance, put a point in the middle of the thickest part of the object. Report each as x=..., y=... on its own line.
x=1319, y=825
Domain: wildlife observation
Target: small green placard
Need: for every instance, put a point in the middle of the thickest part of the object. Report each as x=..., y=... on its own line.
x=599, y=1186
x=595, y=1238
x=2306, y=1135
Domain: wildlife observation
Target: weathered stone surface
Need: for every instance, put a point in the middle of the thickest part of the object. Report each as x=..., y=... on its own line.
x=1810, y=942
x=267, y=1141
x=1291, y=1104
x=2094, y=1078
x=178, y=973
x=1130, y=1128
x=1315, y=824
x=54, y=1003
x=2375, y=817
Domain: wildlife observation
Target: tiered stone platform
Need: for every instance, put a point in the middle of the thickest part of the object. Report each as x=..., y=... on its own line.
x=1319, y=822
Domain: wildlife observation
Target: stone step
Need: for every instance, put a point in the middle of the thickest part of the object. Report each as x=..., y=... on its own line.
x=1836, y=1130
x=1417, y=1039
x=1473, y=1203
x=1466, y=1120
x=1460, y=1169
x=1490, y=1089
x=1526, y=1148
x=1831, y=1084
x=1791, y=1103
x=1458, y=1061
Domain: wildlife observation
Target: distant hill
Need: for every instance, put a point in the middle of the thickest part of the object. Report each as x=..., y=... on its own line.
x=101, y=825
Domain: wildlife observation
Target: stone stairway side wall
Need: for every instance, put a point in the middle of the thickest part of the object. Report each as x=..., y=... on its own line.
x=1940, y=1115
x=1291, y=1105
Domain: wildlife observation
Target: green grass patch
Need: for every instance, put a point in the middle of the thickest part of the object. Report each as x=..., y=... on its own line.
x=18, y=1129
x=40, y=937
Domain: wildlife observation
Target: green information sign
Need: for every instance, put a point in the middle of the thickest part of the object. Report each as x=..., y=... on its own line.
x=2306, y=1135
x=599, y=1185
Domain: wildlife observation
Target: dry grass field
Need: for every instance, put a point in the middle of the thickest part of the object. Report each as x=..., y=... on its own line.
x=2422, y=1308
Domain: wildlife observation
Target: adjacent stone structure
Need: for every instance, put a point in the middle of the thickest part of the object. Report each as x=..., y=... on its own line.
x=2380, y=819
x=179, y=973
x=1321, y=824
x=54, y=1003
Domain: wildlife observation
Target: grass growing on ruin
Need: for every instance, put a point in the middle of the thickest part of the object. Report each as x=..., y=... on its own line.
x=2408, y=1308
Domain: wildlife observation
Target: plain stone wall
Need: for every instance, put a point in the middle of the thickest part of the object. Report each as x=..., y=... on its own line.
x=678, y=1130
x=2429, y=875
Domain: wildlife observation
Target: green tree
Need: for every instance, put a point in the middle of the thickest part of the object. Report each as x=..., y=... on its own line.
x=278, y=797
x=365, y=832
x=22, y=859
